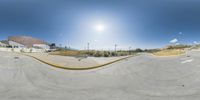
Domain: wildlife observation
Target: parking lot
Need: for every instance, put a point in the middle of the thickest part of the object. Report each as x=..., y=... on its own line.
x=143, y=77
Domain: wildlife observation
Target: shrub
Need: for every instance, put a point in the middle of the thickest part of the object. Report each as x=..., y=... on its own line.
x=106, y=54
x=180, y=46
x=139, y=50
x=98, y=54
x=113, y=54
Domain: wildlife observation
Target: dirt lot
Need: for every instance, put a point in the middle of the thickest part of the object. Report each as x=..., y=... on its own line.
x=169, y=52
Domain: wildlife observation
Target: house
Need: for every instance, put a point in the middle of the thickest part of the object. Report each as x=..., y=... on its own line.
x=15, y=44
x=3, y=45
x=24, y=44
x=52, y=46
x=27, y=42
x=41, y=46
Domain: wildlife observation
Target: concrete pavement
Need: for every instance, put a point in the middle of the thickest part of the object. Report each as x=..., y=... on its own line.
x=143, y=77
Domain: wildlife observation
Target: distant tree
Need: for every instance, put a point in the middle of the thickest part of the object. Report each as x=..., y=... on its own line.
x=106, y=54
x=180, y=46
x=113, y=54
x=145, y=50
x=139, y=50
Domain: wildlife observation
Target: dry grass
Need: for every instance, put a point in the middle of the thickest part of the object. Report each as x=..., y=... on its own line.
x=94, y=53
x=169, y=52
x=66, y=53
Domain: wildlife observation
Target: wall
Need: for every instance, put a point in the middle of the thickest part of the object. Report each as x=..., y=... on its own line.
x=31, y=50
x=43, y=46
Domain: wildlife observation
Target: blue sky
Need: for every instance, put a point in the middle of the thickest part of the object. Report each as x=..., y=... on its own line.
x=135, y=23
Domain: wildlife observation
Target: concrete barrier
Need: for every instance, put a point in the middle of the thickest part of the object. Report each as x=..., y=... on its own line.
x=26, y=50
x=6, y=49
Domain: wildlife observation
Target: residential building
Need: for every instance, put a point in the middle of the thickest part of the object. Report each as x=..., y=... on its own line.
x=3, y=45
x=28, y=42
x=24, y=44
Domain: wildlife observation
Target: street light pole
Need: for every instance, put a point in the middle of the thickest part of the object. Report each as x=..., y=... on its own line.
x=115, y=48
x=88, y=47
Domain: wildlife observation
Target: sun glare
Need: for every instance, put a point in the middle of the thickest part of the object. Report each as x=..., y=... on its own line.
x=100, y=27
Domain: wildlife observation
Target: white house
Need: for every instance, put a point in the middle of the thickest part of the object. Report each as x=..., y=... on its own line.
x=15, y=44
x=2, y=44
x=41, y=46
x=24, y=44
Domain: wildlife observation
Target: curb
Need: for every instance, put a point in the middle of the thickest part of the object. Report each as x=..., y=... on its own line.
x=76, y=68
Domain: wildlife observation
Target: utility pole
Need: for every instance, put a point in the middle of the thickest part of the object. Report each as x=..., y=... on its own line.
x=115, y=48
x=88, y=47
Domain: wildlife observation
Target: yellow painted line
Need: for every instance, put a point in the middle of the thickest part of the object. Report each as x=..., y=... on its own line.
x=76, y=68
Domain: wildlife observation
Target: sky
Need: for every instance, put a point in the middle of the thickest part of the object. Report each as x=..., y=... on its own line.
x=103, y=23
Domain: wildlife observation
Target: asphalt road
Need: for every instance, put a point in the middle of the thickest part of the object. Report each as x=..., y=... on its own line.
x=143, y=77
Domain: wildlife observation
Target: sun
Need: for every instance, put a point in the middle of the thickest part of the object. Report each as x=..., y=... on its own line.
x=99, y=27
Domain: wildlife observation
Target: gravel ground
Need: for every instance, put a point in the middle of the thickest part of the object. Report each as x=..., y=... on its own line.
x=143, y=77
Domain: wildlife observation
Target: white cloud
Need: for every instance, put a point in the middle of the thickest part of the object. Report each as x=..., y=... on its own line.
x=195, y=42
x=180, y=33
x=177, y=43
x=174, y=40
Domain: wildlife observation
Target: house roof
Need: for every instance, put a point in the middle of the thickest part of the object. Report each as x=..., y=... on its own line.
x=26, y=40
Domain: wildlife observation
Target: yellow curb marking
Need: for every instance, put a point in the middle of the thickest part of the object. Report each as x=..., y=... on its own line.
x=77, y=68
